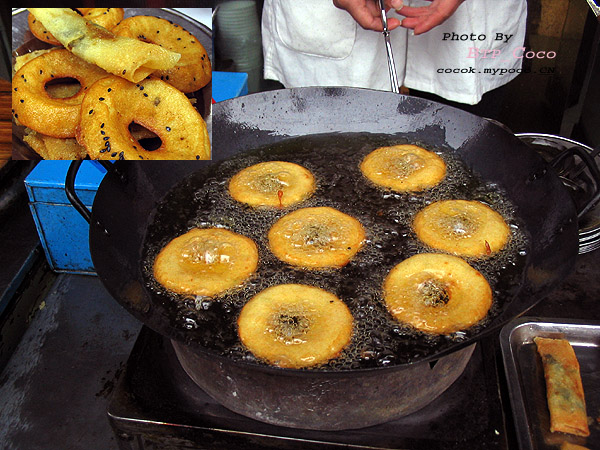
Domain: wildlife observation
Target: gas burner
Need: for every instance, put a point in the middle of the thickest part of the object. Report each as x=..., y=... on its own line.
x=577, y=167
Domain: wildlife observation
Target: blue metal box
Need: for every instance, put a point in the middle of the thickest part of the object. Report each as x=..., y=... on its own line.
x=63, y=232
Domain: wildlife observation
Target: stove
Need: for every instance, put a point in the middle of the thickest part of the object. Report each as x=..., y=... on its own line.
x=157, y=406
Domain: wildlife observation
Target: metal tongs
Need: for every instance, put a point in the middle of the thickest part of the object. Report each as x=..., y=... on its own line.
x=388, y=48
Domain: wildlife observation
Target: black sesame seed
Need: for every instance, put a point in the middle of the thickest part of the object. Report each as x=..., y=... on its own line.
x=106, y=138
x=45, y=32
x=107, y=144
x=168, y=128
x=157, y=31
x=197, y=156
x=109, y=89
x=124, y=70
x=141, y=157
x=103, y=150
x=102, y=126
x=91, y=111
x=102, y=132
x=121, y=156
x=41, y=71
x=51, y=76
x=101, y=99
x=145, y=95
x=16, y=89
x=22, y=101
x=135, y=147
x=167, y=77
x=113, y=154
x=22, y=76
x=16, y=116
x=141, y=88
x=178, y=39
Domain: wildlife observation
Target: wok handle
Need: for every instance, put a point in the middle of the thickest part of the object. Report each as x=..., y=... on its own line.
x=588, y=160
x=72, y=195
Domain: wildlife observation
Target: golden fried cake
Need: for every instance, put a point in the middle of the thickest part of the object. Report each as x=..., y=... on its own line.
x=463, y=227
x=319, y=237
x=205, y=262
x=295, y=326
x=437, y=293
x=404, y=168
x=273, y=183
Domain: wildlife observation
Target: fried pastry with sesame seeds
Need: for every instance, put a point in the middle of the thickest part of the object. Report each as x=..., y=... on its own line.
x=112, y=104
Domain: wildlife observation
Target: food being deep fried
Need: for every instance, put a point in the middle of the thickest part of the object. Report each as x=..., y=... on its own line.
x=403, y=168
x=437, y=293
x=35, y=108
x=54, y=148
x=105, y=17
x=125, y=57
x=319, y=237
x=462, y=227
x=206, y=262
x=295, y=326
x=273, y=183
x=113, y=103
x=193, y=70
x=564, y=389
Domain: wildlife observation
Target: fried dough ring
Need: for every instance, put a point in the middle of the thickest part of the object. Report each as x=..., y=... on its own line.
x=54, y=148
x=105, y=17
x=437, y=293
x=40, y=32
x=463, y=227
x=295, y=326
x=193, y=70
x=273, y=183
x=35, y=108
x=319, y=237
x=404, y=168
x=206, y=262
x=113, y=103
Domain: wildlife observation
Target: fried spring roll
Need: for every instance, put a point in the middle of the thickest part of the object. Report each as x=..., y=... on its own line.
x=125, y=57
x=563, y=387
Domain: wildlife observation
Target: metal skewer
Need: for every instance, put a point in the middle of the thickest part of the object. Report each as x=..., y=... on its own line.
x=388, y=47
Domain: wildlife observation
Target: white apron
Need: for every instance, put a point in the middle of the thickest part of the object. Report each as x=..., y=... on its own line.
x=313, y=43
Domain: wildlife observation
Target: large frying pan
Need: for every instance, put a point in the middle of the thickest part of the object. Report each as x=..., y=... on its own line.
x=126, y=203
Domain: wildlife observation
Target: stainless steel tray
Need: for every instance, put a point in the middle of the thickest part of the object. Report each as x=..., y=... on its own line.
x=527, y=387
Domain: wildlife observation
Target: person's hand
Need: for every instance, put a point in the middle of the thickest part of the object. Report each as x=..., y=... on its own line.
x=423, y=19
x=367, y=13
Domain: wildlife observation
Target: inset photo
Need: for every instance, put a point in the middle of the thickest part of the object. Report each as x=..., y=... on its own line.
x=111, y=83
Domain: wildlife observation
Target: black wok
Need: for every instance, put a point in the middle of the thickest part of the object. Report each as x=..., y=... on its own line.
x=126, y=204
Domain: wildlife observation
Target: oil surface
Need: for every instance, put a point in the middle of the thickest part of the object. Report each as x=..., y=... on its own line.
x=378, y=339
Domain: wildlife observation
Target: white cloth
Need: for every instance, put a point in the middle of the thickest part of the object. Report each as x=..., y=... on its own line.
x=313, y=43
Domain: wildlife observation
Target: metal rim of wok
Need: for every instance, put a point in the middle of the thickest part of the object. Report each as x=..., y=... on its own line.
x=126, y=200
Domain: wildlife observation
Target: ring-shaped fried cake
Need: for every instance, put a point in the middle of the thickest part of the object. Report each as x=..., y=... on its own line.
x=463, y=227
x=193, y=70
x=319, y=237
x=206, y=262
x=272, y=183
x=112, y=104
x=404, y=168
x=295, y=326
x=437, y=293
x=31, y=102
